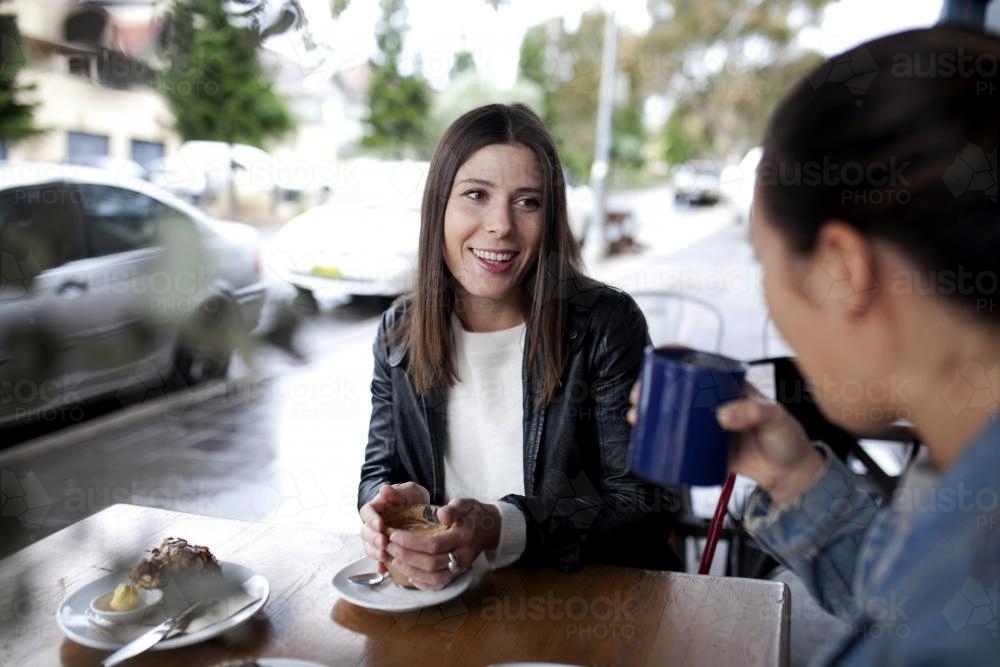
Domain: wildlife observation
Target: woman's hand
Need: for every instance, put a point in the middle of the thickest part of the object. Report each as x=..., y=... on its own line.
x=473, y=527
x=769, y=446
x=389, y=497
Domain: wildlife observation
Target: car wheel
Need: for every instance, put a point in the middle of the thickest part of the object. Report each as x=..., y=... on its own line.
x=205, y=346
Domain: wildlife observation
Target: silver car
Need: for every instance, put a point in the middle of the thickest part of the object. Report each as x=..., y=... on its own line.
x=110, y=285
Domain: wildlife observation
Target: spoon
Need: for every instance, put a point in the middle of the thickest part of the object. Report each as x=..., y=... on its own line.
x=368, y=578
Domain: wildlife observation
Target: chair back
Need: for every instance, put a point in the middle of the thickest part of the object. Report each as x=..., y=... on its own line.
x=675, y=317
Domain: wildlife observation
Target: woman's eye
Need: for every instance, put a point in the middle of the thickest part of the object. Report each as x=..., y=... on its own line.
x=529, y=203
x=475, y=195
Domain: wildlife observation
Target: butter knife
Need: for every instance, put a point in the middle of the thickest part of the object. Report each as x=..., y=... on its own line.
x=148, y=640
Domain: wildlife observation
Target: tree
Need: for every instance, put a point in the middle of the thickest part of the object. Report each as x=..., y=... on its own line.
x=567, y=65
x=214, y=84
x=464, y=62
x=16, y=117
x=724, y=66
x=396, y=124
x=721, y=66
x=472, y=89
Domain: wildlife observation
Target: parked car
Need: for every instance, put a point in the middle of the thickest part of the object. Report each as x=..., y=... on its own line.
x=696, y=182
x=200, y=171
x=364, y=242
x=110, y=285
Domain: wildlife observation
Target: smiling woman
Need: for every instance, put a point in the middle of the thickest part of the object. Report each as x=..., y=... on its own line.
x=501, y=384
x=492, y=230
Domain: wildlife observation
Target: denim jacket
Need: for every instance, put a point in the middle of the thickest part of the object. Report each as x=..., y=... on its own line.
x=916, y=578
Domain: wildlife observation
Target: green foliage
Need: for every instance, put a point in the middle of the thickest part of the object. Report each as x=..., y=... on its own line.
x=464, y=62
x=721, y=109
x=337, y=7
x=684, y=137
x=214, y=83
x=396, y=124
x=567, y=65
x=721, y=65
x=473, y=89
x=16, y=116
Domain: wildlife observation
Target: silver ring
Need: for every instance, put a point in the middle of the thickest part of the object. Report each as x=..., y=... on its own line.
x=453, y=565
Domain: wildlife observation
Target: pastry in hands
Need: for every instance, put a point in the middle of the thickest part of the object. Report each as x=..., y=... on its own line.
x=174, y=558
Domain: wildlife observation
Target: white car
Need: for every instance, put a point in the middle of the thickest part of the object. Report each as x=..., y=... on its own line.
x=110, y=285
x=365, y=241
x=200, y=171
x=696, y=182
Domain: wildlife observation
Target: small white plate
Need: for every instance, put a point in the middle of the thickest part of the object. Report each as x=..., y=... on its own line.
x=389, y=596
x=75, y=621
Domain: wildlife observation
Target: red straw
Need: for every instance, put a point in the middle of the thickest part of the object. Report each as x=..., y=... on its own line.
x=715, y=528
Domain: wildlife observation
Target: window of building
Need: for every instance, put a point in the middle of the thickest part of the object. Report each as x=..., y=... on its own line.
x=147, y=153
x=83, y=147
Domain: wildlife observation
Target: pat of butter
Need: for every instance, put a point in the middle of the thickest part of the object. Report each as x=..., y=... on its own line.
x=125, y=598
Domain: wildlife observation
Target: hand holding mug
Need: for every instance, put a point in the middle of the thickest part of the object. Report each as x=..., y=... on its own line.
x=472, y=527
x=389, y=497
x=769, y=446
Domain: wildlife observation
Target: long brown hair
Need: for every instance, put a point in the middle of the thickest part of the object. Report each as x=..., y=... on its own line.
x=427, y=323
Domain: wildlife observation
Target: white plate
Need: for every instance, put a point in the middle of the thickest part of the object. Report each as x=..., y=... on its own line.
x=73, y=613
x=388, y=596
x=283, y=662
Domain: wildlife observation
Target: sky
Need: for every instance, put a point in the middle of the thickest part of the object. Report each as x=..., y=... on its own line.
x=439, y=28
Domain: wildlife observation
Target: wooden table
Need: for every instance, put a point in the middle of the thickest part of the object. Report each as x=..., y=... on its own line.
x=597, y=616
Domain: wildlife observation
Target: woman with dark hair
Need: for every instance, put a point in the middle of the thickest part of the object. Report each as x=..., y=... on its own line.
x=501, y=384
x=875, y=219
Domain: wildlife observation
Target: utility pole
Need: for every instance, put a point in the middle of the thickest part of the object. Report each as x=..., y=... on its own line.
x=595, y=245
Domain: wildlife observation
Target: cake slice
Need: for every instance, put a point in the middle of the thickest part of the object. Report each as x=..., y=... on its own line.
x=174, y=558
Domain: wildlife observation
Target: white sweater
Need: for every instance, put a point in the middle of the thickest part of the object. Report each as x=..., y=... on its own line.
x=484, y=445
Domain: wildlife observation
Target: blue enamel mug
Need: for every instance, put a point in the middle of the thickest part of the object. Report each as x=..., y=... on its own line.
x=677, y=439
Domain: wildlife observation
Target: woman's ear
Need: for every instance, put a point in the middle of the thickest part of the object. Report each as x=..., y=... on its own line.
x=840, y=272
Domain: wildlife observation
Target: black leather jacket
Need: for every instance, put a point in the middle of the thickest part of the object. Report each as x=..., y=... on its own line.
x=581, y=503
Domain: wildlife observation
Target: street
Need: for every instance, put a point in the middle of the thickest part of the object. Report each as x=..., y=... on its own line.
x=283, y=441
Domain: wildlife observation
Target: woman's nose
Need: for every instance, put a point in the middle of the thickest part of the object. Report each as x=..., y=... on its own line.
x=499, y=220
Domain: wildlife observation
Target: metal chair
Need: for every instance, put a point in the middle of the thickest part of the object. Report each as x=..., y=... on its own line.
x=679, y=318
x=791, y=390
